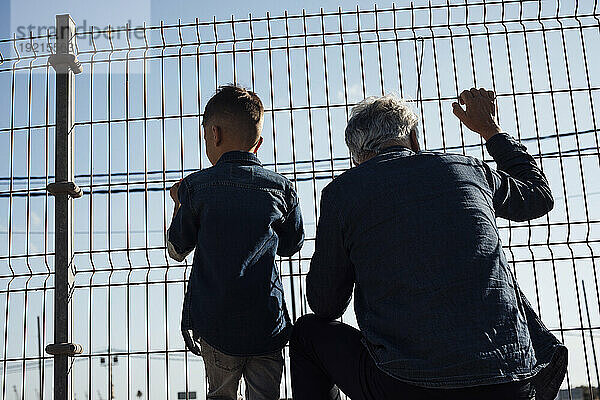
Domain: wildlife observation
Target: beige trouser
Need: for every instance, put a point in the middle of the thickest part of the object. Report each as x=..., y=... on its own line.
x=261, y=373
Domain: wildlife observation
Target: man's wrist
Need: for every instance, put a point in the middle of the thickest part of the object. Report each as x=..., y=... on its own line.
x=489, y=133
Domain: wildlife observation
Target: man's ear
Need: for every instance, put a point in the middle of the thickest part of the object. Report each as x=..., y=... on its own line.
x=216, y=135
x=414, y=142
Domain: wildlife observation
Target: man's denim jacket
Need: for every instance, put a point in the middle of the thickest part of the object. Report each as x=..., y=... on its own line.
x=415, y=235
x=238, y=215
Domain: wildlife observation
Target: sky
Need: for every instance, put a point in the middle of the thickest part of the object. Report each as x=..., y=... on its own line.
x=133, y=308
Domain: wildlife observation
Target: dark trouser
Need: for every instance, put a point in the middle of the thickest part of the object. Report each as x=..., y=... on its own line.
x=324, y=354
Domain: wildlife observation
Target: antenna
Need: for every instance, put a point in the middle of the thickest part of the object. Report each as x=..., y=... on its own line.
x=40, y=355
x=587, y=311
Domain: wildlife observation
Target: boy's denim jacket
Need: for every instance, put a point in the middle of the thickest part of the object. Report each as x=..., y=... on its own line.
x=239, y=216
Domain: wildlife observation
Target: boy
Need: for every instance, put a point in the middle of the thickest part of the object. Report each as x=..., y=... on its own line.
x=238, y=215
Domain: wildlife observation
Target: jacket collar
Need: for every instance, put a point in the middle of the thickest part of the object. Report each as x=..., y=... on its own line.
x=401, y=149
x=241, y=157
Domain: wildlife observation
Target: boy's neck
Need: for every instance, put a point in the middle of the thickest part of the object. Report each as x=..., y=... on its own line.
x=245, y=150
x=239, y=148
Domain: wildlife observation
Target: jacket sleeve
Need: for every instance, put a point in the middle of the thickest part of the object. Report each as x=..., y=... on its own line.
x=520, y=189
x=183, y=232
x=291, y=229
x=330, y=280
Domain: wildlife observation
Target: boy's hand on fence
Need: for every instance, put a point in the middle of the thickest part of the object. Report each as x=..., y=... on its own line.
x=173, y=192
x=479, y=114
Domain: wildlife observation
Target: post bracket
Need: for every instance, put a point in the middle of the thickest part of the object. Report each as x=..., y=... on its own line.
x=64, y=349
x=69, y=188
x=60, y=61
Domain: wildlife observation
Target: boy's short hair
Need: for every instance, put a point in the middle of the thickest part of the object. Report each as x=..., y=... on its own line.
x=238, y=105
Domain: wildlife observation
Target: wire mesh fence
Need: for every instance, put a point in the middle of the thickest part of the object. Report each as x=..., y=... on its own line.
x=138, y=111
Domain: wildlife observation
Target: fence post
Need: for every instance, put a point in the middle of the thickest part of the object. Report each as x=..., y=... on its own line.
x=64, y=62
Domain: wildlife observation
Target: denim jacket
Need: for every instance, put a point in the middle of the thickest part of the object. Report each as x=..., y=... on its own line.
x=414, y=235
x=238, y=216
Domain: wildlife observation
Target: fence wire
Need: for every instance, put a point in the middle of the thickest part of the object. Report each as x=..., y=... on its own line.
x=138, y=113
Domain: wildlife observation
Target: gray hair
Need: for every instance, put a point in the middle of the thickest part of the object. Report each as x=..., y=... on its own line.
x=377, y=122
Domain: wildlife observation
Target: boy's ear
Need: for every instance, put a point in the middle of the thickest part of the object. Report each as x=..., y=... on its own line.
x=260, y=142
x=216, y=135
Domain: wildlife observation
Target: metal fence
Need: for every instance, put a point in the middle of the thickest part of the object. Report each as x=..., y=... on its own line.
x=131, y=122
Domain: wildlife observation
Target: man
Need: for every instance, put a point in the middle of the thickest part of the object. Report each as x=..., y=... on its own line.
x=414, y=233
x=238, y=215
